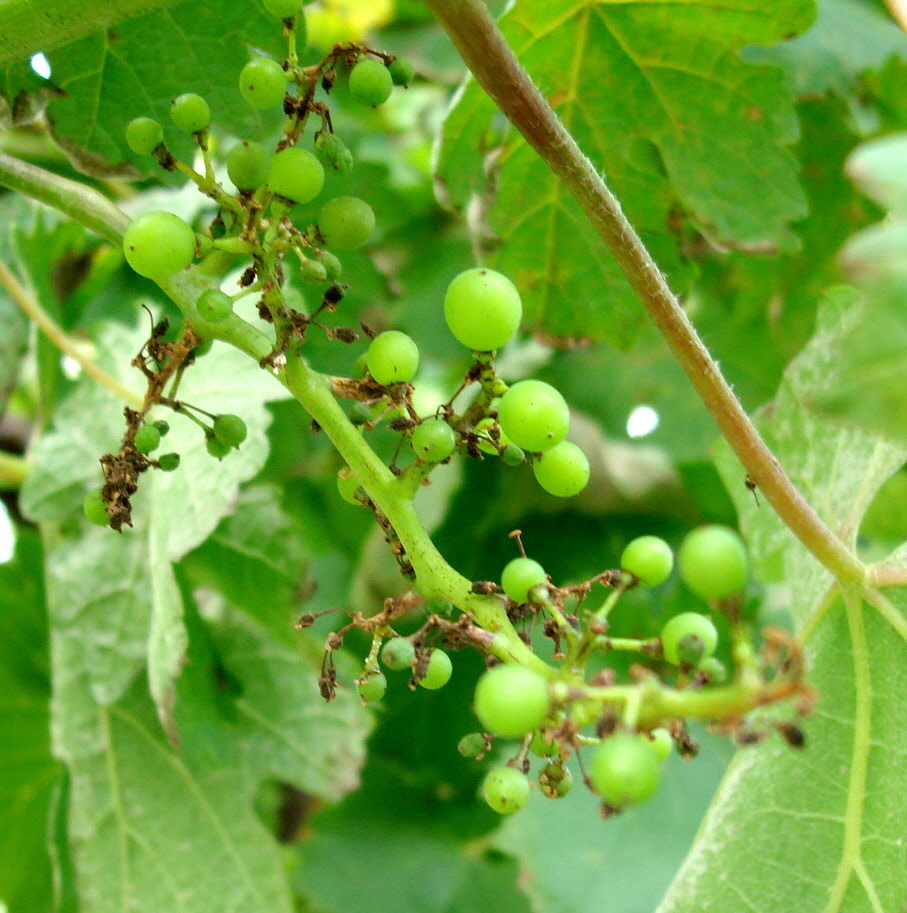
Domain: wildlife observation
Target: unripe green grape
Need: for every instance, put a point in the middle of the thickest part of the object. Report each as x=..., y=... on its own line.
x=625, y=769
x=714, y=669
x=520, y=575
x=361, y=414
x=314, y=271
x=214, y=305
x=555, y=780
x=296, y=175
x=215, y=448
x=95, y=508
x=401, y=70
x=434, y=440
x=373, y=687
x=346, y=223
x=190, y=113
x=248, y=165
x=162, y=426
x=348, y=485
x=563, y=470
x=263, y=82
x=144, y=135
x=398, y=653
x=511, y=700
x=505, y=789
x=230, y=430
x=534, y=415
x=370, y=82
x=283, y=9
x=437, y=672
x=472, y=745
x=158, y=244
x=662, y=743
x=513, y=455
x=713, y=562
x=483, y=310
x=147, y=438
x=688, y=638
x=491, y=439
x=649, y=559
x=332, y=152
x=392, y=357
x=168, y=461
x=333, y=267
x=542, y=746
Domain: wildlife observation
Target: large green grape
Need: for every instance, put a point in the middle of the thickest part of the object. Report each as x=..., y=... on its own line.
x=482, y=309
x=649, y=559
x=625, y=769
x=688, y=638
x=520, y=575
x=505, y=789
x=296, y=174
x=392, y=357
x=438, y=671
x=370, y=82
x=190, y=113
x=712, y=561
x=562, y=470
x=144, y=135
x=511, y=700
x=158, y=244
x=346, y=223
x=263, y=82
x=534, y=415
x=434, y=440
x=248, y=165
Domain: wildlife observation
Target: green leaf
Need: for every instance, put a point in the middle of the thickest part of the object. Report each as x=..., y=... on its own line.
x=13, y=346
x=660, y=101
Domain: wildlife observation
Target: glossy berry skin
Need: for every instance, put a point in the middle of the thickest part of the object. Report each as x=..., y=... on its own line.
x=346, y=223
x=713, y=562
x=562, y=470
x=398, y=653
x=506, y=790
x=147, y=438
x=482, y=309
x=94, y=508
x=373, y=687
x=370, y=82
x=263, y=83
x=401, y=70
x=511, y=700
x=158, y=244
x=392, y=358
x=296, y=175
x=230, y=430
x=248, y=165
x=434, y=440
x=649, y=559
x=437, y=672
x=190, y=113
x=520, y=575
x=144, y=135
x=282, y=9
x=688, y=638
x=534, y=415
x=625, y=769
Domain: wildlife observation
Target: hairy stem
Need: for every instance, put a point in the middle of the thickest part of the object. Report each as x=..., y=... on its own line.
x=497, y=70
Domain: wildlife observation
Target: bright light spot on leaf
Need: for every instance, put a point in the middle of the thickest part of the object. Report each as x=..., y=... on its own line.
x=643, y=420
x=7, y=547
x=71, y=368
x=41, y=65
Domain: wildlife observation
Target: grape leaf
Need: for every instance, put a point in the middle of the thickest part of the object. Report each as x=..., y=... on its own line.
x=660, y=101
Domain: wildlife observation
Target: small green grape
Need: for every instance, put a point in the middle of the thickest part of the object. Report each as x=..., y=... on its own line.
x=95, y=508
x=534, y=415
x=625, y=769
x=230, y=430
x=392, y=358
x=688, y=638
x=398, y=653
x=437, y=672
x=215, y=448
x=332, y=152
x=714, y=669
x=555, y=780
x=190, y=113
x=562, y=470
x=283, y=9
x=511, y=700
x=472, y=745
x=147, y=438
x=332, y=265
x=214, y=305
x=505, y=789
x=434, y=440
x=713, y=562
x=248, y=165
x=346, y=223
x=513, y=455
x=370, y=82
x=483, y=310
x=649, y=559
x=296, y=175
x=402, y=71
x=373, y=687
x=520, y=575
x=158, y=244
x=348, y=485
x=263, y=83
x=662, y=743
x=144, y=135
x=162, y=426
x=314, y=271
x=168, y=461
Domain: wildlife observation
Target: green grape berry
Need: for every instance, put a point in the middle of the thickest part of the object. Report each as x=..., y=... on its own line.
x=168, y=461
x=434, y=440
x=555, y=780
x=296, y=175
x=543, y=747
x=625, y=769
x=147, y=438
x=214, y=305
x=563, y=470
x=190, y=113
x=263, y=83
x=346, y=223
x=398, y=653
x=688, y=638
x=373, y=687
x=649, y=559
x=144, y=135
x=713, y=562
x=283, y=9
x=438, y=671
x=714, y=670
x=158, y=244
x=230, y=430
x=392, y=358
x=483, y=310
x=248, y=165
x=662, y=743
x=162, y=426
x=348, y=485
x=513, y=455
x=491, y=439
x=520, y=575
x=511, y=700
x=472, y=745
x=215, y=448
x=370, y=82
x=402, y=71
x=534, y=415
x=505, y=789
x=314, y=271
x=95, y=509
x=332, y=152
x=332, y=266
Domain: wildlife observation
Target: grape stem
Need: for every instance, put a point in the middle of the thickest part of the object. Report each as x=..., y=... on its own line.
x=497, y=69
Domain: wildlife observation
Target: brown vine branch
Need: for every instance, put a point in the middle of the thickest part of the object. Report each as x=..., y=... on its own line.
x=497, y=69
